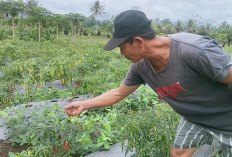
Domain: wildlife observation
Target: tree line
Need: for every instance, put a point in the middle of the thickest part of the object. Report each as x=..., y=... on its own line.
x=222, y=32
x=29, y=15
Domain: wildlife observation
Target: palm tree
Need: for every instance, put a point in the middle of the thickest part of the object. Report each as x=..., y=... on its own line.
x=32, y=3
x=97, y=8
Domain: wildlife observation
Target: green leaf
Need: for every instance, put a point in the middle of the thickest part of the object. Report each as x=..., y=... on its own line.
x=51, y=114
x=22, y=136
x=3, y=113
x=56, y=105
x=100, y=144
x=11, y=154
x=32, y=135
x=106, y=145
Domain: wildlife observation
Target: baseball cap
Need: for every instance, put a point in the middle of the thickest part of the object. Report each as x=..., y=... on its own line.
x=128, y=24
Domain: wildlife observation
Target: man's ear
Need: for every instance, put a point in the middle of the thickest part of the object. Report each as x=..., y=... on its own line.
x=139, y=41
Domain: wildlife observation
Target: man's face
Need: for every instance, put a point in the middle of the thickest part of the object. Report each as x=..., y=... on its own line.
x=131, y=51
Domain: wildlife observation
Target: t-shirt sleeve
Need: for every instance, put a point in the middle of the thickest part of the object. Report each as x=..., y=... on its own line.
x=214, y=62
x=133, y=77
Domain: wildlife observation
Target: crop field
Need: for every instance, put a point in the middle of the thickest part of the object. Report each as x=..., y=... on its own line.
x=82, y=67
x=48, y=59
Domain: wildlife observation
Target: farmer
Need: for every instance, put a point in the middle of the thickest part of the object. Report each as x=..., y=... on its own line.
x=190, y=72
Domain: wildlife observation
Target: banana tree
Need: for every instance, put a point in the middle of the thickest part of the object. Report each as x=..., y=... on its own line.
x=13, y=8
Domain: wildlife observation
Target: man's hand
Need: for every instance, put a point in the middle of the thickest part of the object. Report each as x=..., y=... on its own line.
x=74, y=109
x=110, y=97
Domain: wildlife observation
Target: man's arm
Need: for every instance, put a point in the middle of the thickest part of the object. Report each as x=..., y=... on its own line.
x=228, y=78
x=106, y=99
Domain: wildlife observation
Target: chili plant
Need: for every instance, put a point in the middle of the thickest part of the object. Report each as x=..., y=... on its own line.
x=61, y=68
x=51, y=131
x=150, y=132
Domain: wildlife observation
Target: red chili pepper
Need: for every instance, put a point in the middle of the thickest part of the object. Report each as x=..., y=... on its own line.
x=66, y=147
x=11, y=87
x=53, y=152
x=61, y=81
x=76, y=84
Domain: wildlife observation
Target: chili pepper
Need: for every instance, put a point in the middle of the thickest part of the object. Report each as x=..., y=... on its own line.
x=53, y=148
x=66, y=147
x=76, y=84
x=11, y=87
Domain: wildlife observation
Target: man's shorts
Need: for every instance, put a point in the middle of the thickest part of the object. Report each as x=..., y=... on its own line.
x=190, y=135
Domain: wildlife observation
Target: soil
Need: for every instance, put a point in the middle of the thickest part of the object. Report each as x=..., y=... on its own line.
x=6, y=147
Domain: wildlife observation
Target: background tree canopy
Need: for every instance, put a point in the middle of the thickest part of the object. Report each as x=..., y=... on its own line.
x=27, y=16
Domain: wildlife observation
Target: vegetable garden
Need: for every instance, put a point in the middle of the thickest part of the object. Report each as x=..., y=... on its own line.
x=82, y=67
x=34, y=53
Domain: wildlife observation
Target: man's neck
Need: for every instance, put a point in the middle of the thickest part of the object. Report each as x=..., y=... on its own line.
x=158, y=52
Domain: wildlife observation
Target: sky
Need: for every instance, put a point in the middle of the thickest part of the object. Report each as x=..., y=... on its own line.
x=205, y=11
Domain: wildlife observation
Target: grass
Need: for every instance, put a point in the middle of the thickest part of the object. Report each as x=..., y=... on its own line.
x=228, y=49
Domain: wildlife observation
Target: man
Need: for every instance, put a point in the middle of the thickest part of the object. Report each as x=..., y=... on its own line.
x=191, y=72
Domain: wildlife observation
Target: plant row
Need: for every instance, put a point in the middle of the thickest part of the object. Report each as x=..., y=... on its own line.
x=81, y=68
x=50, y=132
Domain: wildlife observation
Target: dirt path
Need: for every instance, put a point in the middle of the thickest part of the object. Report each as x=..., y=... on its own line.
x=6, y=147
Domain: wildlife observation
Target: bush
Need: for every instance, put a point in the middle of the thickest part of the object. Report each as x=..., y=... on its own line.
x=150, y=132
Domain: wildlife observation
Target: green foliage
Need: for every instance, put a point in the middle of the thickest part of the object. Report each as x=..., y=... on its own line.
x=228, y=50
x=97, y=8
x=148, y=126
x=30, y=65
x=5, y=93
x=5, y=32
x=150, y=132
x=50, y=127
x=142, y=99
x=74, y=22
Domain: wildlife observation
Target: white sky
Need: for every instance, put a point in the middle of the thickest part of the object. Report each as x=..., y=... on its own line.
x=210, y=11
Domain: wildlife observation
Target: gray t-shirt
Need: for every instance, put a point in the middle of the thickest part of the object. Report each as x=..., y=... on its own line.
x=190, y=80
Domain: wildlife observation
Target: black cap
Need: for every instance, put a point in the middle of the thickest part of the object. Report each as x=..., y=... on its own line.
x=127, y=24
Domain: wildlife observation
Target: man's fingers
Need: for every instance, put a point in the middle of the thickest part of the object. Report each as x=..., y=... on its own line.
x=74, y=113
x=69, y=106
x=71, y=112
x=68, y=111
x=73, y=109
